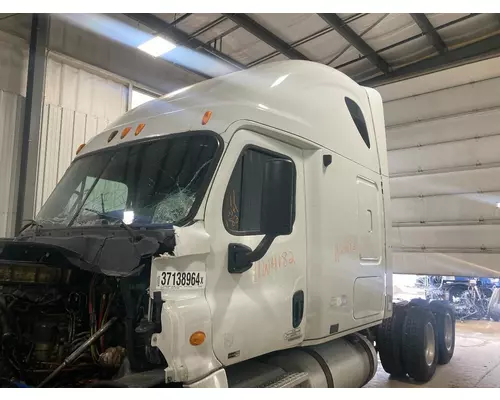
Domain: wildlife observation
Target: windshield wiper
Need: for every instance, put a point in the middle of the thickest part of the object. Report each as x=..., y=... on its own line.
x=121, y=223
x=31, y=222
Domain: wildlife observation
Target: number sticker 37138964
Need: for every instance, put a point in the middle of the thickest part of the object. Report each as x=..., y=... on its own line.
x=180, y=280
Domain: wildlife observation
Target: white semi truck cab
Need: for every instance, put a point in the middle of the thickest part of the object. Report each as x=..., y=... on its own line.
x=234, y=233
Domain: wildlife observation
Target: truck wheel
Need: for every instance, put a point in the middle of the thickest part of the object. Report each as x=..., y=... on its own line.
x=494, y=305
x=420, y=344
x=389, y=335
x=445, y=323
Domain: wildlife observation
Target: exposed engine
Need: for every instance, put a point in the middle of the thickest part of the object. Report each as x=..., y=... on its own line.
x=470, y=298
x=70, y=327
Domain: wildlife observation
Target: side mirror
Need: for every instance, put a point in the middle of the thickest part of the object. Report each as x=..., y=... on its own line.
x=276, y=217
x=278, y=192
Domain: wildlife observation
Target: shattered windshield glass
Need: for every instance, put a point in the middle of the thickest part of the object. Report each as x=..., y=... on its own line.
x=154, y=182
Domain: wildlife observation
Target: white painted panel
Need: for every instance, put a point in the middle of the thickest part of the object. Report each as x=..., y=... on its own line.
x=446, y=155
x=78, y=106
x=468, y=236
x=78, y=90
x=464, y=126
x=460, y=207
x=407, y=209
x=474, y=96
x=91, y=128
x=456, y=264
x=50, y=177
x=13, y=64
x=484, y=180
x=80, y=120
x=66, y=152
x=11, y=109
x=42, y=159
x=440, y=80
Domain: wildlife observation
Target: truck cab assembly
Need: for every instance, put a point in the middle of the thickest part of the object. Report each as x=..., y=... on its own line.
x=234, y=233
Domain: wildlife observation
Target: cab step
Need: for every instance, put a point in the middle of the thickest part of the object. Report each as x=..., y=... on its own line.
x=287, y=380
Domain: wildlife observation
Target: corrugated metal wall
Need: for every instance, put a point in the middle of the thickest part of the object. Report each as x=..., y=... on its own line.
x=78, y=105
x=11, y=107
x=13, y=67
x=443, y=135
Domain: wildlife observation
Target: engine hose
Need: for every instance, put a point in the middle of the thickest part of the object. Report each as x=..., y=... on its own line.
x=78, y=352
x=5, y=328
x=129, y=323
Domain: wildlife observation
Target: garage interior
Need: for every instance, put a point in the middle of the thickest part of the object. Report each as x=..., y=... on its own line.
x=65, y=77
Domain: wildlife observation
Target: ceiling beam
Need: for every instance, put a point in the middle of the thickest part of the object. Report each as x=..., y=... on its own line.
x=266, y=36
x=477, y=51
x=180, y=37
x=430, y=32
x=181, y=18
x=355, y=40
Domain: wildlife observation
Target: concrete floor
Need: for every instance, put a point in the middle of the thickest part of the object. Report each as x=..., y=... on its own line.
x=476, y=361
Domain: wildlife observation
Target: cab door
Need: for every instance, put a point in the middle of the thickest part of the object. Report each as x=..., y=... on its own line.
x=260, y=310
x=370, y=283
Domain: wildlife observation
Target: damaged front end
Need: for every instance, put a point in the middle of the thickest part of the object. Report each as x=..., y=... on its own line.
x=79, y=300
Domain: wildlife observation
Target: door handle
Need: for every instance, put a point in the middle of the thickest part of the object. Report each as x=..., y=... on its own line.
x=297, y=308
x=371, y=221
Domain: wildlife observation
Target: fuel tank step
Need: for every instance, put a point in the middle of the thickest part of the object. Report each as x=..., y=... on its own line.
x=287, y=380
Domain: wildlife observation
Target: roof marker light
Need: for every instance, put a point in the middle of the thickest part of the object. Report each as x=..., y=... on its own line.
x=139, y=129
x=206, y=117
x=125, y=131
x=80, y=148
x=157, y=46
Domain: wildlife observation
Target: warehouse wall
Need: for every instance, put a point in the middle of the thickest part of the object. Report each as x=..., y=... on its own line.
x=78, y=105
x=13, y=68
x=443, y=135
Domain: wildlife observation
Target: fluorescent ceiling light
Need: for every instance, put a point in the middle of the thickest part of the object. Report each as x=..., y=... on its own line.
x=157, y=46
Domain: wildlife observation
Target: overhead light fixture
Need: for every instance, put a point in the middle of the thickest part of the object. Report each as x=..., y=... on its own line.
x=157, y=46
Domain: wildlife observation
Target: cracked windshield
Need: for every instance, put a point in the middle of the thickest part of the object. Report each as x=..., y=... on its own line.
x=154, y=182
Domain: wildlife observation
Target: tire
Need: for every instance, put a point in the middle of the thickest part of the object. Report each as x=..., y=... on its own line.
x=419, y=329
x=494, y=305
x=445, y=323
x=419, y=302
x=389, y=335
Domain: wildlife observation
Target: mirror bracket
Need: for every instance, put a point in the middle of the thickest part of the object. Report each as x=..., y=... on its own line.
x=241, y=257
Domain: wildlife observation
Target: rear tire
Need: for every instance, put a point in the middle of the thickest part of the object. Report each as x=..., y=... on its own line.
x=420, y=353
x=445, y=323
x=494, y=305
x=389, y=335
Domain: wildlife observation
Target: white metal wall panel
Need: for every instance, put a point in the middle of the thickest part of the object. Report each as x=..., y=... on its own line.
x=11, y=109
x=463, y=126
x=455, y=264
x=460, y=207
x=476, y=180
x=454, y=237
x=442, y=79
x=451, y=101
x=444, y=163
x=13, y=64
x=78, y=105
x=470, y=152
x=13, y=67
